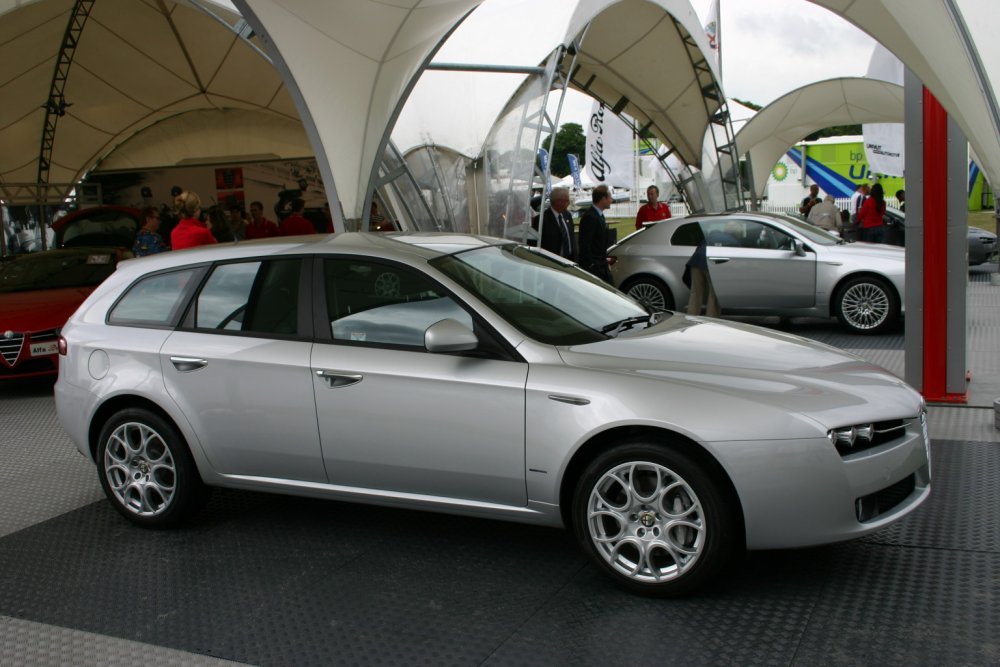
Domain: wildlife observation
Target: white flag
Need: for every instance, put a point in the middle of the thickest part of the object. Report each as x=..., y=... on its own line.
x=609, y=148
x=712, y=29
x=884, y=141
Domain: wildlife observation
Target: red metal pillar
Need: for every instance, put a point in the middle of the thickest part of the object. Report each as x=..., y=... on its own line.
x=935, y=255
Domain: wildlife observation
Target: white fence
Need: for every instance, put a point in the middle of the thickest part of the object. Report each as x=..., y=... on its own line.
x=679, y=210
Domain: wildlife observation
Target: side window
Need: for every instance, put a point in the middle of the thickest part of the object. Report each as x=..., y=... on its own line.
x=688, y=235
x=251, y=297
x=770, y=238
x=155, y=300
x=725, y=233
x=383, y=304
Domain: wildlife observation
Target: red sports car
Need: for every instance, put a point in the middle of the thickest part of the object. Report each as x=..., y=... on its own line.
x=38, y=293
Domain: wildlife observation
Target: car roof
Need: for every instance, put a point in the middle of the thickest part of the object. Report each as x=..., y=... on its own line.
x=413, y=245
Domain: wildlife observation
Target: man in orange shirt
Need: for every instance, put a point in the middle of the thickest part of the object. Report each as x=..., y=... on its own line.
x=653, y=210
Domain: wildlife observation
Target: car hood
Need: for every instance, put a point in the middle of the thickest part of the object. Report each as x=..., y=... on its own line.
x=863, y=251
x=39, y=310
x=704, y=358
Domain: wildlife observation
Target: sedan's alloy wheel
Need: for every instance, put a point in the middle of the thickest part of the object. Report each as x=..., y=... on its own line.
x=646, y=522
x=140, y=469
x=865, y=305
x=651, y=293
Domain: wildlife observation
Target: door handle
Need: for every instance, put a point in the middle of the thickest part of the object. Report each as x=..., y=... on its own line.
x=719, y=260
x=188, y=364
x=338, y=379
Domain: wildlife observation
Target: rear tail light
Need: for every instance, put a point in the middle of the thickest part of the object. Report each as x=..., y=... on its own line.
x=63, y=346
x=612, y=261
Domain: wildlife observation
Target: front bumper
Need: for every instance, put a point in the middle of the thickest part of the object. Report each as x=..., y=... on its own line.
x=798, y=493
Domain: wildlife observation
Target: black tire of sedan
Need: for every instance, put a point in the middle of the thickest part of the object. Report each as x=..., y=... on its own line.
x=147, y=471
x=867, y=305
x=654, y=519
x=651, y=292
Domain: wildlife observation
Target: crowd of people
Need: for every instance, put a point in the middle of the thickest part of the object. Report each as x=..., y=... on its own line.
x=188, y=225
x=864, y=219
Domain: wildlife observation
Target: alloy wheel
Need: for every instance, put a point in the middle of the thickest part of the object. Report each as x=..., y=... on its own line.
x=646, y=522
x=865, y=305
x=140, y=469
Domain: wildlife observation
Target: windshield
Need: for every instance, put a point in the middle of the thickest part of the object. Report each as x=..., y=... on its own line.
x=550, y=301
x=811, y=232
x=55, y=270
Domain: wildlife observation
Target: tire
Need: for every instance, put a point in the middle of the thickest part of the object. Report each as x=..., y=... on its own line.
x=648, y=547
x=867, y=305
x=147, y=471
x=651, y=292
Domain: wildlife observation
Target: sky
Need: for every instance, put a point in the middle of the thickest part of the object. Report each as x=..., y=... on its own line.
x=771, y=47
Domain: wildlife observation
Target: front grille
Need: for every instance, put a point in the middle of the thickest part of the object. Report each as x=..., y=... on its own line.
x=10, y=348
x=874, y=505
x=859, y=437
x=41, y=336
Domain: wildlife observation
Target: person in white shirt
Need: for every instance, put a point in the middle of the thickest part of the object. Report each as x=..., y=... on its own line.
x=825, y=214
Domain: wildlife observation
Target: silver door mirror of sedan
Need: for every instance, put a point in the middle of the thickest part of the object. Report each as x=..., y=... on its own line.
x=798, y=248
x=449, y=336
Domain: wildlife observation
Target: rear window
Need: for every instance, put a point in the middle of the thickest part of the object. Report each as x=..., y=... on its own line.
x=154, y=301
x=55, y=270
x=103, y=228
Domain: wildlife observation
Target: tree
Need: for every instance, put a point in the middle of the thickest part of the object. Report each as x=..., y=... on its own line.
x=569, y=139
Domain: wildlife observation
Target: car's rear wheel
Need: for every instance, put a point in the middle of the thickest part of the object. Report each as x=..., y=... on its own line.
x=867, y=305
x=146, y=469
x=651, y=292
x=653, y=519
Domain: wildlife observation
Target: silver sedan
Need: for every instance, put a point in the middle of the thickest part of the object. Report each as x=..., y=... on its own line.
x=475, y=376
x=764, y=264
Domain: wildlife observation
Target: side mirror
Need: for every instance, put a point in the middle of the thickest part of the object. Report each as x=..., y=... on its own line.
x=449, y=336
x=798, y=248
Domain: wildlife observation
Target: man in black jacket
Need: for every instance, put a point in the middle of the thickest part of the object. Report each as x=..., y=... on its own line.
x=594, y=235
x=557, y=226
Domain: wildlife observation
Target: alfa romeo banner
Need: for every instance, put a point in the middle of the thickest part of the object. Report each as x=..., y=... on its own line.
x=609, y=148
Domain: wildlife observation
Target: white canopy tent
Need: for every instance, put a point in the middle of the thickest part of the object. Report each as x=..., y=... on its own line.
x=787, y=120
x=350, y=65
x=136, y=66
x=950, y=47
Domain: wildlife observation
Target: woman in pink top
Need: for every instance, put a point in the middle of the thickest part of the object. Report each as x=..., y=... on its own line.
x=190, y=231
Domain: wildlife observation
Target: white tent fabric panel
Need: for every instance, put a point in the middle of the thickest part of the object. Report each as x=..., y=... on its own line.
x=350, y=67
x=789, y=119
x=634, y=50
x=211, y=135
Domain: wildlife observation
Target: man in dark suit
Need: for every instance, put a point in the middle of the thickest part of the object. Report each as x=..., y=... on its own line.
x=557, y=226
x=593, y=251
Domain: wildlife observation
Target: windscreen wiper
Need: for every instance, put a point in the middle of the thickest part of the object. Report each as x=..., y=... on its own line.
x=616, y=328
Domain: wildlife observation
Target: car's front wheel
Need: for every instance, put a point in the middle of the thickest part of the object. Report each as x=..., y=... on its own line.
x=653, y=519
x=651, y=292
x=146, y=469
x=867, y=305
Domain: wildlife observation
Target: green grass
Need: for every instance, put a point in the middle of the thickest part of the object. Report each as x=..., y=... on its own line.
x=984, y=220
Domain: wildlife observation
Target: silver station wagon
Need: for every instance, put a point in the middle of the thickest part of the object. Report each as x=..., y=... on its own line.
x=480, y=377
x=764, y=264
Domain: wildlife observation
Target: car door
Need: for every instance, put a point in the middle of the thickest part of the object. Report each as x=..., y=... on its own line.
x=754, y=266
x=238, y=367
x=397, y=418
